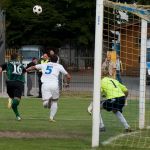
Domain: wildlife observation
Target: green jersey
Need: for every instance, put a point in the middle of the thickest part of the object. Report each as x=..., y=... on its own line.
x=111, y=88
x=15, y=71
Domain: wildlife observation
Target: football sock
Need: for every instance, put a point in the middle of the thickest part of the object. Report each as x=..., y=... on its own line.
x=122, y=119
x=53, y=109
x=15, y=104
x=101, y=122
x=90, y=107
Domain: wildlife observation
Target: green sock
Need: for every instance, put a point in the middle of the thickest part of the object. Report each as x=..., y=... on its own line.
x=15, y=104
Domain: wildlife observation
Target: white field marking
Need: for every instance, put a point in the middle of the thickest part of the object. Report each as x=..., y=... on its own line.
x=111, y=139
x=62, y=119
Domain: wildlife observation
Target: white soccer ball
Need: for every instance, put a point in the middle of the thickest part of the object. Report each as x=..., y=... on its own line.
x=37, y=9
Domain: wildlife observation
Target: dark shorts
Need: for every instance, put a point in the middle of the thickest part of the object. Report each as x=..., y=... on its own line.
x=14, y=88
x=114, y=104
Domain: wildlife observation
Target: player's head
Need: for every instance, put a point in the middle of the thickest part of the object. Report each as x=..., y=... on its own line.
x=14, y=56
x=34, y=60
x=54, y=58
x=45, y=56
x=51, y=52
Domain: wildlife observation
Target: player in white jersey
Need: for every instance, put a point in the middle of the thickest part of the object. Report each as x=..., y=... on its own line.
x=50, y=83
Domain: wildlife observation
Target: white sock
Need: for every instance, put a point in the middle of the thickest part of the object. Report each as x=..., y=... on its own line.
x=53, y=109
x=90, y=107
x=122, y=119
x=101, y=122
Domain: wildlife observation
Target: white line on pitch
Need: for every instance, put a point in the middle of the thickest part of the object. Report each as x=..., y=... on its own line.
x=111, y=139
x=63, y=119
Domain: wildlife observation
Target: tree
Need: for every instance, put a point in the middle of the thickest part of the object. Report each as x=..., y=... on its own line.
x=63, y=20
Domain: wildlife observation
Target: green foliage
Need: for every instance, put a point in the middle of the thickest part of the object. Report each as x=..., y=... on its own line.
x=61, y=21
x=144, y=2
x=75, y=17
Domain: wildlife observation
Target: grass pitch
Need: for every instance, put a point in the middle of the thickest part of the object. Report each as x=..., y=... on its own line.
x=73, y=128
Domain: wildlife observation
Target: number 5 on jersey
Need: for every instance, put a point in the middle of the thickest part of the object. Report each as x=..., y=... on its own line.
x=48, y=69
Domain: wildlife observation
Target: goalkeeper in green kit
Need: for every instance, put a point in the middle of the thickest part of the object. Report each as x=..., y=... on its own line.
x=115, y=95
x=15, y=82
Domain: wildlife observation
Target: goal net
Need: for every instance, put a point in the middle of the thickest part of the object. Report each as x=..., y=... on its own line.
x=126, y=32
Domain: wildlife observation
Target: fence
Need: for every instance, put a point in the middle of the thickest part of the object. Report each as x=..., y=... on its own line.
x=81, y=83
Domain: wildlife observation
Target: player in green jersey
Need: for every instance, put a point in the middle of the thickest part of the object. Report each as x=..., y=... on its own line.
x=15, y=82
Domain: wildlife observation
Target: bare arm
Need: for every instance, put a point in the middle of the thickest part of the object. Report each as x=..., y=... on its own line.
x=1, y=69
x=121, y=66
x=67, y=79
x=30, y=68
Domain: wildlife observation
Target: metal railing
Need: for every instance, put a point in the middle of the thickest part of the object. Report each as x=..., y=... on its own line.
x=81, y=82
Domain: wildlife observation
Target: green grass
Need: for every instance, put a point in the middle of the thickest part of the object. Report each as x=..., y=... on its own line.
x=73, y=128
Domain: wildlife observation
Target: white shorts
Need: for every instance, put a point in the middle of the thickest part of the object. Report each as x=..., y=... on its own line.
x=50, y=91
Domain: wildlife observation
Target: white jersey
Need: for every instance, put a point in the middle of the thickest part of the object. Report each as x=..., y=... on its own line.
x=50, y=72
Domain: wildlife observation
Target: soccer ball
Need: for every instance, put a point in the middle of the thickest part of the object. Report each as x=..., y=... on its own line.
x=37, y=9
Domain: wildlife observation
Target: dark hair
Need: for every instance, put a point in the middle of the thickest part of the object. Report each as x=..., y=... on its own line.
x=14, y=56
x=34, y=58
x=53, y=58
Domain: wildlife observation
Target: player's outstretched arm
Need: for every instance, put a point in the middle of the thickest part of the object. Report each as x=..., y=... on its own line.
x=30, y=68
x=67, y=80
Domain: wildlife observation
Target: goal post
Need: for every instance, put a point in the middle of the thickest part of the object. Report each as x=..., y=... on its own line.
x=142, y=74
x=97, y=72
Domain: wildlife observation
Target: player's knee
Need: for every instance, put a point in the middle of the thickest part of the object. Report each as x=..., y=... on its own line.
x=54, y=104
x=54, y=100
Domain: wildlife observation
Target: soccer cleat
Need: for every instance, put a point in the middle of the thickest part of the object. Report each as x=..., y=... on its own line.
x=18, y=118
x=52, y=119
x=103, y=129
x=128, y=130
x=9, y=103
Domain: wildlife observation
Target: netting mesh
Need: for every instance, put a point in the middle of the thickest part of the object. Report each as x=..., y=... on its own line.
x=122, y=36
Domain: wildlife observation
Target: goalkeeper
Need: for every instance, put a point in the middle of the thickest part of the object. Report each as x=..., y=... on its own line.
x=115, y=94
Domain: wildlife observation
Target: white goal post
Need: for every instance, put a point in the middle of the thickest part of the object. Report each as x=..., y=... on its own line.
x=97, y=72
x=144, y=13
